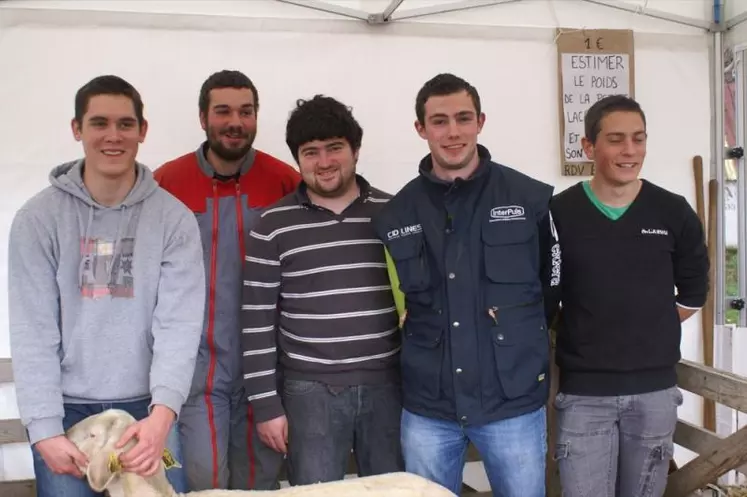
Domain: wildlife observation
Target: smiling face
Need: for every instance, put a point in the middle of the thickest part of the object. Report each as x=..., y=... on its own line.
x=111, y=135
x=328, y=167
x=620, y=148
x=451, y=125
x=230, y=122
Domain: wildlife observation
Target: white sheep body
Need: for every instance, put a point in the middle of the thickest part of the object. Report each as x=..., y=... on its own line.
x=96, y=436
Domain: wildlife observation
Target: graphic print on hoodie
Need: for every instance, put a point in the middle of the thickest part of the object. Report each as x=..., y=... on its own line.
x=106, y=266
x=105, y=303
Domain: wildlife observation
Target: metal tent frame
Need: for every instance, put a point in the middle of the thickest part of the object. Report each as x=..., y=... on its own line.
x=717, y=27
x=393, y=12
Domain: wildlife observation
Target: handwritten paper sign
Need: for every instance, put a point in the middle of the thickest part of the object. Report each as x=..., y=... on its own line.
x=592, y=64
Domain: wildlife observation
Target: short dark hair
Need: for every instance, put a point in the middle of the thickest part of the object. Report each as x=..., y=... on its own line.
x=604, y=107
x=321, y=118
x=225, y=79
x=106, y=85
x=441, y=85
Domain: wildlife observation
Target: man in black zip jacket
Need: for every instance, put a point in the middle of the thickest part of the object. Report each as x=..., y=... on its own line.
x=473, y=247
x=627, y=244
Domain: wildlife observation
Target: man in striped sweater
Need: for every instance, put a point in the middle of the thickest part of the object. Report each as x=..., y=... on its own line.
x=318, y=310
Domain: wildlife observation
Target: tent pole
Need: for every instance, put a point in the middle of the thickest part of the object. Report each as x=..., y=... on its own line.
x=448, y=7
x=329, y=8
x=718, y=166
x=656, y=14
x=741, y=101
x=393, y=5
x=736, y=20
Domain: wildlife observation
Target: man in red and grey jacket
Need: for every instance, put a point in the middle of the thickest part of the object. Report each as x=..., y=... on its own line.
x=226, y=183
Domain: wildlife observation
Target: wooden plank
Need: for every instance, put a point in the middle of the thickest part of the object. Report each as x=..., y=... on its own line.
x=467, y=490
x=698, y=440
x=6, y=371
x=695, y=438
x=720, y=386
x=18, y=488
x=12, y=431
x=728, y=454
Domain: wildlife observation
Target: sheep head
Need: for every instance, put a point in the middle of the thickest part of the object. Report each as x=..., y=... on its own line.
x=96, y=437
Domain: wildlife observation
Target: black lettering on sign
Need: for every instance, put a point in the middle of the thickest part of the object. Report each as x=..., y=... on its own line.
x=606, y=82
x=571, y=154
x=585, y=98
x=568, y=98
x=578, y=169
x=574, y=117
x=597, y=43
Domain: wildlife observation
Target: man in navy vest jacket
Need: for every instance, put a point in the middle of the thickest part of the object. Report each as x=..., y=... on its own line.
x=473, y=247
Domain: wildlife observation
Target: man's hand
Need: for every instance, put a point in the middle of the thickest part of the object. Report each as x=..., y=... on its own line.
x=685, y=313
x=274, y=433
x=151, y=434
x=62, y=456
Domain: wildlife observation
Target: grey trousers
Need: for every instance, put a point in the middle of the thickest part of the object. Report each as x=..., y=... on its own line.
x=615, y=446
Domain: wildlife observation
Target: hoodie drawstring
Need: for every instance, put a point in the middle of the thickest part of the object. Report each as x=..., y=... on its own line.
x=114, y=263
x=85, y=247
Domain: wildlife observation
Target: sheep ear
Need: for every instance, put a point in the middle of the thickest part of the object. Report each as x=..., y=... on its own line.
x=101, y=471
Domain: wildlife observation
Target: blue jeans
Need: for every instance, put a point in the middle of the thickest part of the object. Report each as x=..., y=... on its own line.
x=513, y=452
x=49, y=484
x=326, y=422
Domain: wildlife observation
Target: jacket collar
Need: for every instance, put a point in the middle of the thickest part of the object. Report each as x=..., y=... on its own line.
x=426, y=168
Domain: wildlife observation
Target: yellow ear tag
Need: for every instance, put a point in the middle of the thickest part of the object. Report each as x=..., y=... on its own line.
x=114, y=465
x=169, y=461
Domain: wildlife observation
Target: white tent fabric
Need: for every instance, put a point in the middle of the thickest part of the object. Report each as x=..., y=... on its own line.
x=354, y=51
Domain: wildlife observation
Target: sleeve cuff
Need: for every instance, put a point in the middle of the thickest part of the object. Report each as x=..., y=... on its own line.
x=688, y=307
x=41, y=429
x=268, y=409
x=691, y=303
x=167, y=397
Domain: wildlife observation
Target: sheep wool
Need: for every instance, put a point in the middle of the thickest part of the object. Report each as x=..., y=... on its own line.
x=97, y=435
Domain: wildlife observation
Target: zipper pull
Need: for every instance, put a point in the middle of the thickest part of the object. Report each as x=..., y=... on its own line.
x=492, y=312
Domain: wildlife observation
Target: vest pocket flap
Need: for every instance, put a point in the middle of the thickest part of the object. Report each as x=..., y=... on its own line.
x=507, y=232
x=510, y=255
x=406, y=248
x=521, y=358
x=423, y=335
x=413, y=270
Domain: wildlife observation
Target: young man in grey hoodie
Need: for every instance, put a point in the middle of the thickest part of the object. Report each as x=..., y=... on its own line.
x=106, y=285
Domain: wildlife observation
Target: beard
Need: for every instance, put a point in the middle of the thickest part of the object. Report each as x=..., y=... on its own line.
x=337, y=189
x=229, y=153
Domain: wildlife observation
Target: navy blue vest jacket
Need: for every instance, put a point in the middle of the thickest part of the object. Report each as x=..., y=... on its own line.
x=479, y=265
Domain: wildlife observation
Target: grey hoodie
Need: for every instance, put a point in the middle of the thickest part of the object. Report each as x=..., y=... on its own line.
x=115, y=319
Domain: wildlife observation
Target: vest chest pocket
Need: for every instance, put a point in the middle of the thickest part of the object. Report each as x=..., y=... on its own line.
x=413, y=270
x=510, y=252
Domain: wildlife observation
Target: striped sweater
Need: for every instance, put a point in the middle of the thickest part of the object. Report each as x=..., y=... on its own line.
x=317, y=303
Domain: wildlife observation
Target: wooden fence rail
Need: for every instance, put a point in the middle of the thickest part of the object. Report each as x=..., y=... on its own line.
x=716, y=455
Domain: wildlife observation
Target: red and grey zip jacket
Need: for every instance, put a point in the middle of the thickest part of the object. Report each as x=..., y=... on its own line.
x=226, y=209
